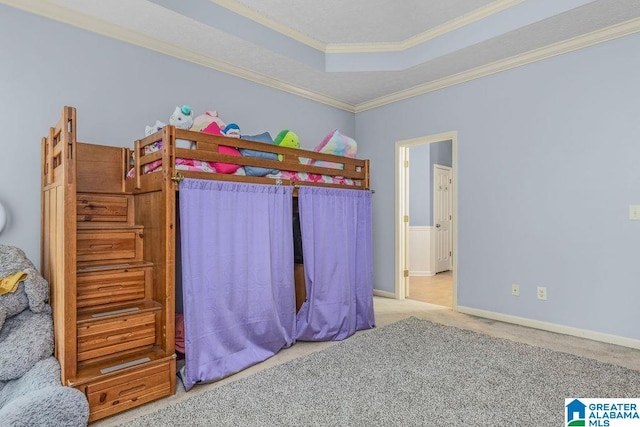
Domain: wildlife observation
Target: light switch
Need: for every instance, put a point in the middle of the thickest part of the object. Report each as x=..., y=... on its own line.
x=634, y=212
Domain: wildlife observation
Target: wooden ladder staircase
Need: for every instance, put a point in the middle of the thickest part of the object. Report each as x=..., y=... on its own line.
x=121, y=363
x=113, y=309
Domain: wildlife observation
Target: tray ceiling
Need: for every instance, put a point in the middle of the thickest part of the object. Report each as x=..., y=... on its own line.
x=355, y=54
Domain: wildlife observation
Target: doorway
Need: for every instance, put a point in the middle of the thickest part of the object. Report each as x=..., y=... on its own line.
x=404, y=226
x=436, y=289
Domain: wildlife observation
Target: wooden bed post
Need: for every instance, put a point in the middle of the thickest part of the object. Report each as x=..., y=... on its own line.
x=44, y=181
x=59, y=234
x=169, y=200
x=136, y=164
x=366, y=184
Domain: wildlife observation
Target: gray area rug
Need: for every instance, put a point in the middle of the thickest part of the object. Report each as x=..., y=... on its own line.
x=410, y=373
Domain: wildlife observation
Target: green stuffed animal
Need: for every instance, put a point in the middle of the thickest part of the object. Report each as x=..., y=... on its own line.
x=286, y=138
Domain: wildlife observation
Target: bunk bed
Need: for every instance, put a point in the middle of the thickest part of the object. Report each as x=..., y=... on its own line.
x=297, y=167
x=119, y=250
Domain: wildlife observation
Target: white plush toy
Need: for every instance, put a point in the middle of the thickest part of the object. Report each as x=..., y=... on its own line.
x=182, y=118
x=148, y=130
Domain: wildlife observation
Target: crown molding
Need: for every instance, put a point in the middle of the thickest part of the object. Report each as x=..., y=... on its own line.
x=285, y=30
x=90, y=23
x=454, y=24
x=559, y=48
x=473, y=16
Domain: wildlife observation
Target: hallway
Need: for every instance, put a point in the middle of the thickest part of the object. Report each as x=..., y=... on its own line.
x=436, y=289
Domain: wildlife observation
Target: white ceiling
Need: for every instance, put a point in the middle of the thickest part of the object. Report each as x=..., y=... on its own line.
x=352, y=54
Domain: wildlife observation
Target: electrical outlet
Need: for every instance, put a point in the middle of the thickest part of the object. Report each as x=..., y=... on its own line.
x=515, y=290
x=542, y=293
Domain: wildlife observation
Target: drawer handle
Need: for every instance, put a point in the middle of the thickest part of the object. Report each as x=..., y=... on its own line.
x=103, y=246
x=103, y=397
x=132, y=390
x=110, y=288
x=119, y=337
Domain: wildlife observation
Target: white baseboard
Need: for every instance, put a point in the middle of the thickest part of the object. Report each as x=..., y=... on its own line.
x=422, y=273
x=552, y=327
x=384, y=294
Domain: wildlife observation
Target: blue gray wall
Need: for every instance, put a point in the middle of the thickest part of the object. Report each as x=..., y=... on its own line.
x=548, y=163
x=440, y=153
x=541, y=200
x=419, y=185
x=421, y=160
x=117, y=89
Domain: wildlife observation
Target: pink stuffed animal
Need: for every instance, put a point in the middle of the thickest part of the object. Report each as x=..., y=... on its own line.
x=209, y=122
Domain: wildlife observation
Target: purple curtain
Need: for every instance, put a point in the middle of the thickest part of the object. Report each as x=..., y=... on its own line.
x=237, y=276
x=337, y=249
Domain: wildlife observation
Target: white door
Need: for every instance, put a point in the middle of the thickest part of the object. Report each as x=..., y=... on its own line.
x=442, y=217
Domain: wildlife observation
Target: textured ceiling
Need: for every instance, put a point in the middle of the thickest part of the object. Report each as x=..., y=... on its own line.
x=354, y=54
x=362, y=21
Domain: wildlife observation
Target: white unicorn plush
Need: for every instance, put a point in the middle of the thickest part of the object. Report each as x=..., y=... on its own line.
x=182, y=118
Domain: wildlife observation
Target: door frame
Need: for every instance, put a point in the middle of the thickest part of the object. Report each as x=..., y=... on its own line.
x=402, y=209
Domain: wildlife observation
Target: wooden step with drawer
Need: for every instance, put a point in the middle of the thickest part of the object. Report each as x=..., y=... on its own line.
x=102, y=207
x=103, y=244
x=115, y=328
x=122, y=382
x=113, y=283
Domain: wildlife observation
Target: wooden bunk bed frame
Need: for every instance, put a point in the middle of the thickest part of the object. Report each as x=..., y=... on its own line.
x=109, y=245
x=206, y=150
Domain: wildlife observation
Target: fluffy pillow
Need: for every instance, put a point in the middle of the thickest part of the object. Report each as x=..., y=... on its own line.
x=24, y=340
x=226, y=167
x=337, y=144
x=32, y=293
x=256, y=170
x=13, y=303
x=45, y=373
x=213, y=128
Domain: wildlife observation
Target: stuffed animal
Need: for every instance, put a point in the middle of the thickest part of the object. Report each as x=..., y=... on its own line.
x=182, y=118
x=213, y=129
x=148, y=130
x=209, y=121
x=232, y=130
x=31, y=290
x=337, y=144
x=257, y=170
x=286, y=138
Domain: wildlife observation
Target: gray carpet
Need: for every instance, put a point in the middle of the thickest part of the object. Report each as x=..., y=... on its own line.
x=410, y=373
